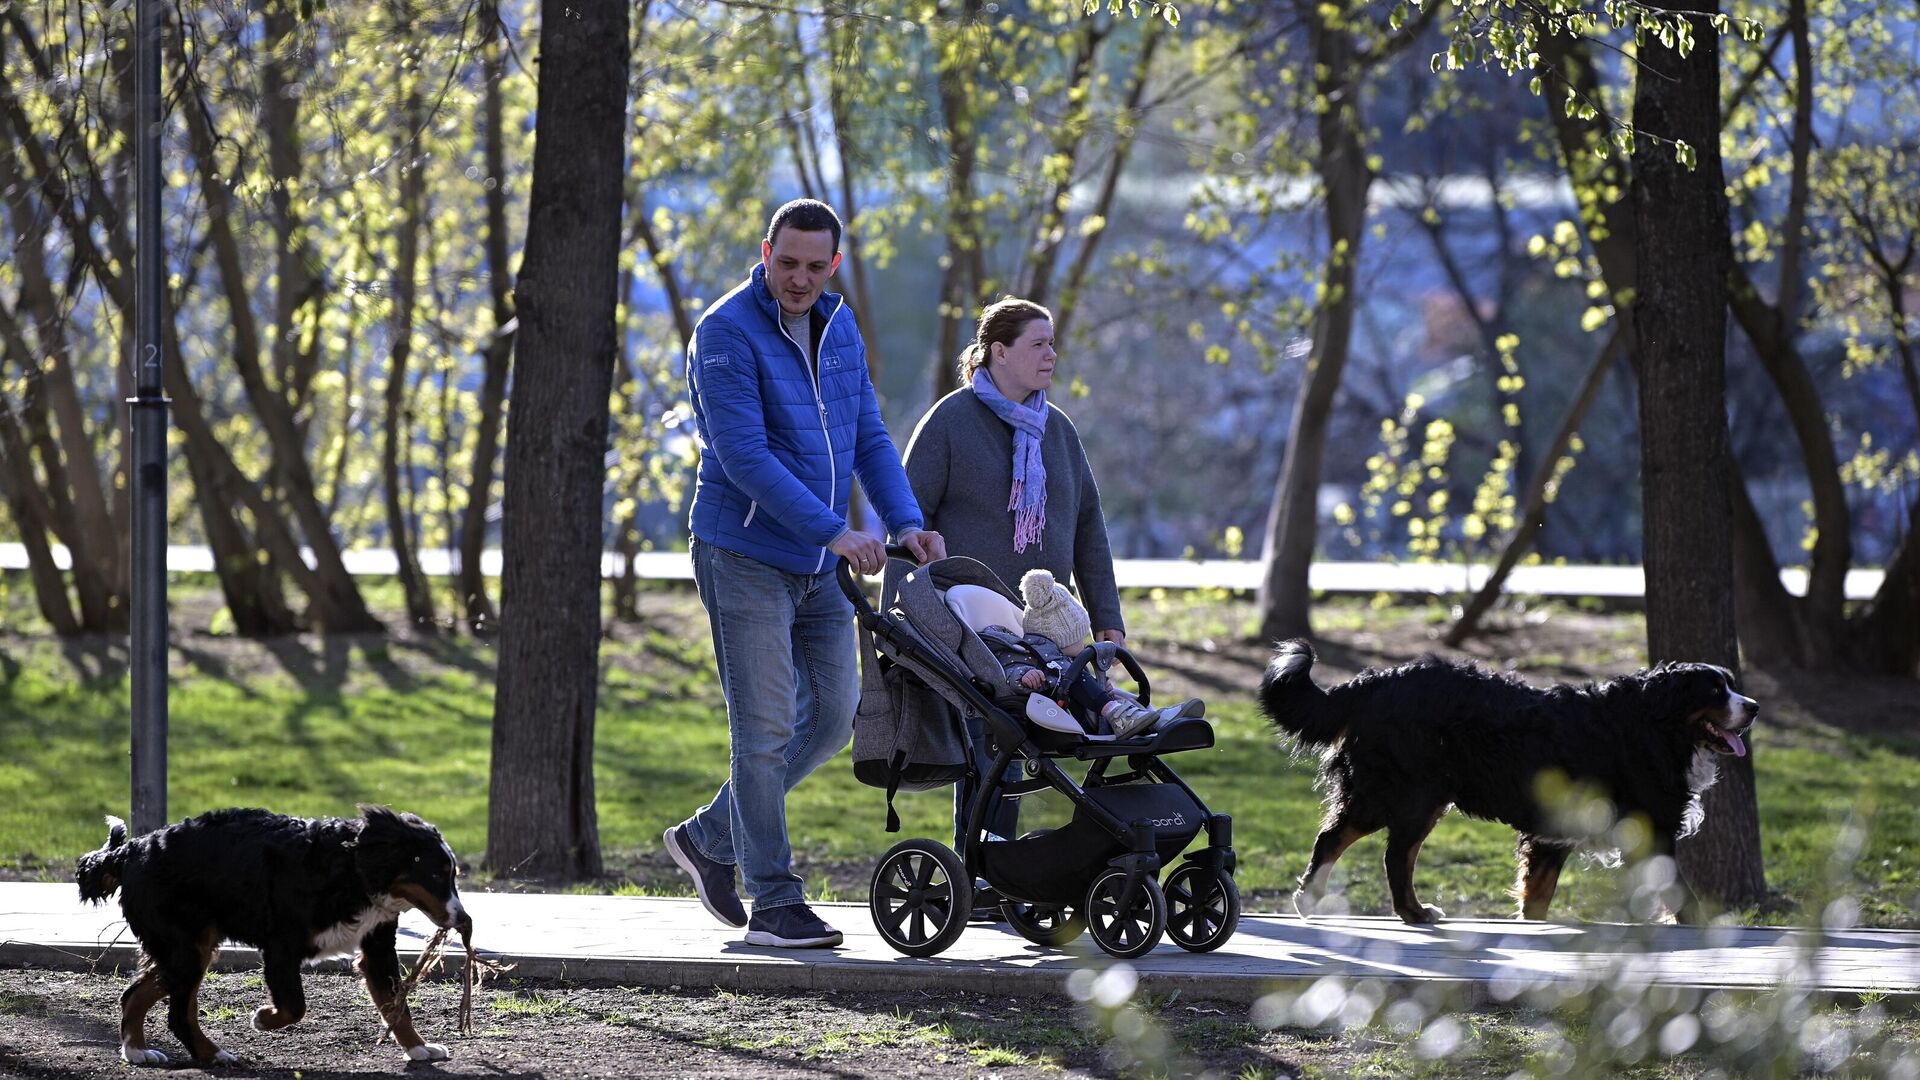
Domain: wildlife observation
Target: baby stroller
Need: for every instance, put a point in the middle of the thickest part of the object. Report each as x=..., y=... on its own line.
x=923, y=668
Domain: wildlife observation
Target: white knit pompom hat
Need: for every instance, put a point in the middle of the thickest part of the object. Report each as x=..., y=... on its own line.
x=1053, y=613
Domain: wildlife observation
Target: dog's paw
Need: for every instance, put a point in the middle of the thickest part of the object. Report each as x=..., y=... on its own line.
x=428, y=1052
x=269, y=1018
x=1427, y=915
x=225, y=1057
x=142, y=1055
x=1308, y=903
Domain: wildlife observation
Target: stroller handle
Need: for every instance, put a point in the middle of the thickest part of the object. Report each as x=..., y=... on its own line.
x=1107, y=652
x=849, y=584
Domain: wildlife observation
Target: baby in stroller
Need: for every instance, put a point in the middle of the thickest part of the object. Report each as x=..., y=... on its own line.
x=1035, y=655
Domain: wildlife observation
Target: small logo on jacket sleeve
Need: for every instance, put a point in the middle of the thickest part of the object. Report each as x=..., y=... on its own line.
x=716, y=359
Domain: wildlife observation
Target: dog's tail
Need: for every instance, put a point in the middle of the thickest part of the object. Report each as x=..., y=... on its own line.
x=1291, y=700
x=98, y=872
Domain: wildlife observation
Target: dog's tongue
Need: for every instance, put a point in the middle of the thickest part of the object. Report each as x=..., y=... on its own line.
x=1733, y=741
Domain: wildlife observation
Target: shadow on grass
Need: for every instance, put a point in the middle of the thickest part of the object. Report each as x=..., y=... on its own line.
x=468, y=654
x=94, y=658
x=1884, y=708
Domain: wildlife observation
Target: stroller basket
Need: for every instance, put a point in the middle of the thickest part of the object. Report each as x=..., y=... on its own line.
x=1053, y=866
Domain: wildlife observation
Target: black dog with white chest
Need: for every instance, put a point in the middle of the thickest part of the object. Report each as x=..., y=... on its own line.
x=297, y=889
x=1400, y=746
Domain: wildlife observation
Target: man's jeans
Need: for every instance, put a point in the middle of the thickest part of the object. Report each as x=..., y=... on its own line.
x=785, y=647
x=1002, y=818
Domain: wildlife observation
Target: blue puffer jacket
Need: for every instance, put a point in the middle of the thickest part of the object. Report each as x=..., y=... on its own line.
x=778, y=454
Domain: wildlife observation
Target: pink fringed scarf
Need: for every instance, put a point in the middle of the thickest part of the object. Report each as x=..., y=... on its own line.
x=1028, y=499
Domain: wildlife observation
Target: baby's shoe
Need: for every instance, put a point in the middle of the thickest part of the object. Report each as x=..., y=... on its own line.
x=1128, y=718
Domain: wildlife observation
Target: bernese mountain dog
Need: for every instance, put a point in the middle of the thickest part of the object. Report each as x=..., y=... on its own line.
x=297, y=889
x=1400, y=746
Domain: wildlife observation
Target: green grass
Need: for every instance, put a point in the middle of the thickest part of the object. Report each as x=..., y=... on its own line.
x=22, y=1004
x=312, y=727
x=517, y=1003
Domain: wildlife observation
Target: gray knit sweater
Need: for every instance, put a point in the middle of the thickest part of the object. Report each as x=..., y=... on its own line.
x=960, y=463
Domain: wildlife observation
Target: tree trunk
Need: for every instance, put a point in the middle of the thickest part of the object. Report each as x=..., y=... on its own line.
x=1127, y=131
x=1818, y=621
x=481, y=617
x=1889, y=633
x=1292, y=523
x=540, y=817
x=626, y=528
x=99, y=563
x=249, y=583
x=1679, y=322
x=396, y=429
x=29, y=510
x=1068, y=135
x=626, y=533
x=1601, y=185
x=1814, y=626
x=959, y=276
x=1769, y=625
x=59, y=513
x=853, y=268
x=296, y=286
x=1533, y=515
x=335, y=600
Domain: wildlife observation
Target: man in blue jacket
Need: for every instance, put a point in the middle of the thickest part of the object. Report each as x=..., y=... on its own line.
x=787, y=418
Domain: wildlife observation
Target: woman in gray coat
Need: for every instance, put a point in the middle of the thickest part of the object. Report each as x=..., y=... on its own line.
x=1000, y=473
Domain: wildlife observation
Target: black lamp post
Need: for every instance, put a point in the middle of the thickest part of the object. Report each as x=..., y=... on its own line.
x=148, y=417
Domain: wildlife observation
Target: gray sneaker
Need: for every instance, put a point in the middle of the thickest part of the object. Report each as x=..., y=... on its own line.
x=1129, y=718
x=713, y=881
x=794, y=926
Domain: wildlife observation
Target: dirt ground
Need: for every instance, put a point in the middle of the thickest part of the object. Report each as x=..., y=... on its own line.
x=64, y=1025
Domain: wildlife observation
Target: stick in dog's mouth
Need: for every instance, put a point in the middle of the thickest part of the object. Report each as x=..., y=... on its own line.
x=467, y=977
x=431, y=956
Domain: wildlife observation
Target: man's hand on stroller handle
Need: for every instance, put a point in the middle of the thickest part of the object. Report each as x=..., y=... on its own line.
x=863, y=551
x=926, y=545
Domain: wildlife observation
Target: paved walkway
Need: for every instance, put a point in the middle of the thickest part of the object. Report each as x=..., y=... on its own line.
x=658, y=941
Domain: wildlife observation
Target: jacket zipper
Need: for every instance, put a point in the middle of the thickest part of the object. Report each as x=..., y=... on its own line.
x=833, y=478
x=752, y=509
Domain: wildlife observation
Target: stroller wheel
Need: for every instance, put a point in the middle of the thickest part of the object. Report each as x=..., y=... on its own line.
x=921, y=897
x=1043, y=924
x=1203, y=907
x=1131, y=932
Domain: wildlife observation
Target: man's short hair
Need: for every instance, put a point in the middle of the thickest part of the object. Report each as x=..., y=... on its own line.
x=807, y=215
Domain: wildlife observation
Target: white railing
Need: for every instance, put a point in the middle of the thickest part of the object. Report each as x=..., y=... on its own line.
x=1346, y=577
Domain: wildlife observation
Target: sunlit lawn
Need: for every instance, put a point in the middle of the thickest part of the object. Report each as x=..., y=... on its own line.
x=310, y=727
